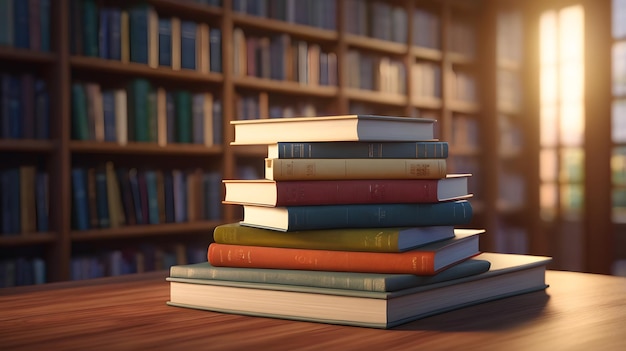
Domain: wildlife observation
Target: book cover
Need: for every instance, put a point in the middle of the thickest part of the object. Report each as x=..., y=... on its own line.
x=291, y=218
x=508, y=275
x=354, y=168
x=265, y=192
x=425, y=260
x=359, y=149
x=327, y=279
x=332, y=128
x=391, y=239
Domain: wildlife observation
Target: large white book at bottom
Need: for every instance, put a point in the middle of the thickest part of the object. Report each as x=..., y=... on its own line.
x=509, y=275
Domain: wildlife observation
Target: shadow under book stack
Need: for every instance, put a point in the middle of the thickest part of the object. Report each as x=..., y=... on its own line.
x=353, y=223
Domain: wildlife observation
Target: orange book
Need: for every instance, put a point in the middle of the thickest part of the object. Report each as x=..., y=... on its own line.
x=426, y=260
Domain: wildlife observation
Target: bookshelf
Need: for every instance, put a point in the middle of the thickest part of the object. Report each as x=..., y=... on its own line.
x=428, y=55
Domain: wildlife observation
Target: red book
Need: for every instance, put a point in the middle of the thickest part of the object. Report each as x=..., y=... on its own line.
x=338, y=192
x=426, y=260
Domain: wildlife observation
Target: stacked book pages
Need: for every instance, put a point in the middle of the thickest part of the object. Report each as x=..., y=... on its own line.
x=357, y=222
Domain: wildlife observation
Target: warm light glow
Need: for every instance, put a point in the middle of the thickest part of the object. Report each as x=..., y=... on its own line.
x=548, y=165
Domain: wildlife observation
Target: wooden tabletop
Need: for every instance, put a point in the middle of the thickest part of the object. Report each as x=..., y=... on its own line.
x=577, y=312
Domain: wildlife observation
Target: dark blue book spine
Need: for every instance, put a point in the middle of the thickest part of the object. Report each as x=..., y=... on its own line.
x=170, y=116
x=138, y=18
x=379, y=215
x=44, y=24
x=426, y=149
x=108, y=107
x=102, y=200
x=152, y=192
x=103, y=33
x=42, y=201
x=5, y=98
x=79, y=195
x=15, y=108
x=215, y=49
x=217, y=123
x=21, y=29
x=168, y=185
x=213, y=195
x=134, y=187
x=42, y=110
x=165, y=42
x=188, y=44
x=115, y=34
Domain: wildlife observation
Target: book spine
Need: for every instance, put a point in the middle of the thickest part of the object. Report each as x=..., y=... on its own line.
x=240, y=256
x=320, y=169
x=435, y=149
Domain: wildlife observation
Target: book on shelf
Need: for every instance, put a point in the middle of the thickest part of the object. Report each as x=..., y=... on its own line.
x=359, y=149
x=291, y=218
x=333, y=128
x=265, y=192
x=425, y=260
x=355, y=168
x=508, y=275
x=327, y=279
x=390, y=239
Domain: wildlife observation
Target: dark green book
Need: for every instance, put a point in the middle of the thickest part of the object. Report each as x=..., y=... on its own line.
x=357, y=149
x=183, y=116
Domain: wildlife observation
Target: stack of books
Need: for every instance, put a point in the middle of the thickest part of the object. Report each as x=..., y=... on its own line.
x=356, y=223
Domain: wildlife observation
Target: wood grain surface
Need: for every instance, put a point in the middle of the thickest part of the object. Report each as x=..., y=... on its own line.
x=577, y=312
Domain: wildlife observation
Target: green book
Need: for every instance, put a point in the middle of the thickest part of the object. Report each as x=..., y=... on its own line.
x=183, y=116
x=508, y=275
x=391, y=239
x=326, y=279
x=80, y=127
x=138, y=106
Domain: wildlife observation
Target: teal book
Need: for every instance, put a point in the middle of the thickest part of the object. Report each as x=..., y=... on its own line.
x=508, y=275
x=291, y=218
x=80, y=126
x=90, y=29
x=349, y=149
x=184, y=116
x=138, y=109
x=6, y=23
x=326, y=279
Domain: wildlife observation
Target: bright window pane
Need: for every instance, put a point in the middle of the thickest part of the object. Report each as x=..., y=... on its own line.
x=619, y=68
x=572, y=201
x=548, y=165
x=619, y=18
x=571, y=170
x=571, y=123
x=618, y=166
x=619, y=205
x=548, y=199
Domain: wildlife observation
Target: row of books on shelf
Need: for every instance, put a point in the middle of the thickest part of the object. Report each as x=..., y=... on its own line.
x=280, y=57
x=145, y=113
x=134, y=259
x=25, y=202
x=249, y=107
x=24, y=107
x=25, y=24
x=377, y=19
x=375, y=72
x=372, y=260
x=22, y=271
x=138, y=34
x=110, y=197
x=315, y=13
x=426, y=80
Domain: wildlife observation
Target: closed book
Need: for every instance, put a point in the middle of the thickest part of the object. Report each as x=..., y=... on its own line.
x=333, y=128
x=327, y=279
x=425, y=260
x=356, y=149
x=165, y=42
x=266, y=192
x=390, y=239
x=354, y=168
x=291, y=218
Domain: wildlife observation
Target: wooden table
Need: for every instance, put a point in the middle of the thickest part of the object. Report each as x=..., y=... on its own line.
x=577, y=312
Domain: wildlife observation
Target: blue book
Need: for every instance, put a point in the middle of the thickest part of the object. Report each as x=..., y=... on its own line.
x=291, y=218
x=168, y=189
x=198, y=120
x=21, y=29
x=218, y=123
x=102, y=199
x=80, y=204
x=115, y=34
x=42, y=110
x=44, y=24
x=5, y=98
x=104, y=32
x=133, y=178
x=180, y=196
x=170, y=116
x=153, y=201
x=349, y=149
x=6, y=22
x=188, y=30
x=108, y=107
x=165, y=42
x=138, y=18
x=16, y=117
x=11, y=201
x=212, y=184
x=215, y=49
x=42, y=200
x=90, y=28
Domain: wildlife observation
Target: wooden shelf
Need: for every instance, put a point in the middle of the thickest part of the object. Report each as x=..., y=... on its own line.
x=293, y=29
x=186, y=8
x=464, y=107
x=27, y=145
x=426, y=53
x=140, y=231
x=378, y=45
x=25, y=55
x=456, y=58
x=428, y=102
x=27, y=239
x=134, y=148
x=285, y=87
x=376, y=97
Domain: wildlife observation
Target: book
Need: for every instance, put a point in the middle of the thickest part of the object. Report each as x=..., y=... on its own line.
x=508, y=275
x=327, y=279
x=332, y=128
x=425, y=260
x=354, y=168
x=291, y=218
x=359, y=149
x=265, y=192
x=391, y=239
